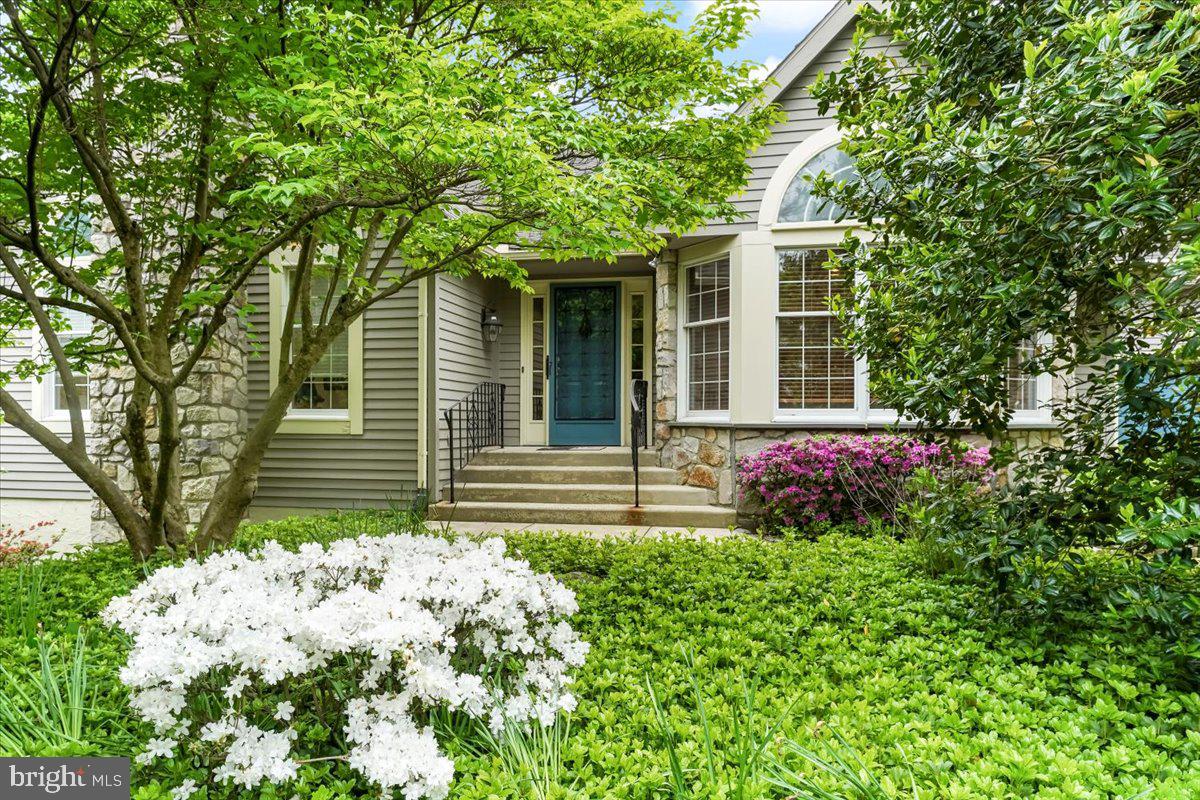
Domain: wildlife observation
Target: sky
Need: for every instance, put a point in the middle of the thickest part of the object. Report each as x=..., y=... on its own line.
x=781, y=24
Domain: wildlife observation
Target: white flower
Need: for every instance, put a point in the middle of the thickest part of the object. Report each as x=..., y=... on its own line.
x=256, y=755
x=184, y=790
x=157, y=748
x=407, y=609
x=236, y=687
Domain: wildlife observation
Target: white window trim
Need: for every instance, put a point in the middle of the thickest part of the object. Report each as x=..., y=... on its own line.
x=861, y=414
x=534, y=432
x=315, y=420
x=1043, y=415
x=781, y=179
x=831, y=234
x=683, y=355
x=41, y=392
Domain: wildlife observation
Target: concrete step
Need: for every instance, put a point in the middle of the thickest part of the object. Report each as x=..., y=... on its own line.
x=535, y=473
x=565, y=457
x=585, y=514
x=580, y=493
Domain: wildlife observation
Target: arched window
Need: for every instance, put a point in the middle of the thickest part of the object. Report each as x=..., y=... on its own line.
x=799, y=204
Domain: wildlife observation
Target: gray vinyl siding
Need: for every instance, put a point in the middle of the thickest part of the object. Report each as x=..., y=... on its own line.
x=27, y=470
x=375, y=469
x=464, y=359
x=508, y=371
x=802, y=121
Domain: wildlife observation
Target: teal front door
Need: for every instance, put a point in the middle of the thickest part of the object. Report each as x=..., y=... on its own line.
x=585, y=340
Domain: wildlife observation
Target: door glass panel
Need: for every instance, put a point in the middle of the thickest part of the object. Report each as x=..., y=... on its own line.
x=585, y=341
x=539, y=359
x=637, y=336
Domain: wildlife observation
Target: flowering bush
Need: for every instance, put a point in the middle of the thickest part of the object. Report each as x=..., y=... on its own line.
x=228, y=651
x=848, y=477
x=18, y=545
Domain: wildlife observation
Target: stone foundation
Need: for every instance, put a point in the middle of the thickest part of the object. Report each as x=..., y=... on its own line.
x=708, y=456
x=704, y=457
x=213, y=422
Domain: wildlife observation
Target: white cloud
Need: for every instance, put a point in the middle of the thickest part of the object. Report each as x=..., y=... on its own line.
x=768, y=66
x=780, y=26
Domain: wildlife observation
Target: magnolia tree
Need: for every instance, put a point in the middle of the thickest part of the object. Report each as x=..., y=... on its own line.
x=369, y=145
x=1030, y=177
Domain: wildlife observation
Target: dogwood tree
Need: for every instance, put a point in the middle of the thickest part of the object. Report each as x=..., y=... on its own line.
x=377, y=143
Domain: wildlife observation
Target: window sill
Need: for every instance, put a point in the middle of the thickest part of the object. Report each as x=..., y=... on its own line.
x=696, y=421
x=343, y=426
x=816, y=225
x=839, y=421
x=1032, y=424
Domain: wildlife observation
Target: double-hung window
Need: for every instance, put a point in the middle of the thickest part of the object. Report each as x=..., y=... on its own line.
x=706, y=334
x=53, y=390
x=819, y=379
x=816, y=372
x=326, y=389
x=329, y=400
x=1028, y=394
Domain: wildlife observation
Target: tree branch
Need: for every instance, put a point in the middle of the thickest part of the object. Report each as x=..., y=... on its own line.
x=50, y=337
x=105, y=488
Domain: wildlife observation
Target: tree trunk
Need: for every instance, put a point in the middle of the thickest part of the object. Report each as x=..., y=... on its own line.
x=235, y=492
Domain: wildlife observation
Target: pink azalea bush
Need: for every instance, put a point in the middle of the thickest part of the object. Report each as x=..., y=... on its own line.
x=22, y=545
x=848, y=477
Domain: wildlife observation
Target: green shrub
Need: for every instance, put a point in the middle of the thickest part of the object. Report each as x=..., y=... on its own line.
x=1148, y=572
x=842, y=632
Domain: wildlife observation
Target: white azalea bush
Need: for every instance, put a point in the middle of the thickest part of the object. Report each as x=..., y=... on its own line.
x=367, y=637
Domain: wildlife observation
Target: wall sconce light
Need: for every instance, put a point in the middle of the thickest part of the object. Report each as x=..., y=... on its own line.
x=489, y=323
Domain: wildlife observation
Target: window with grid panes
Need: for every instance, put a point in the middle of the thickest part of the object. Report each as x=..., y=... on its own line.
x=326, y=389
x=56, y=392
x=539, y=359
x=706, y=333
x=815, y=370
x=637, y=336
x=1022, y=385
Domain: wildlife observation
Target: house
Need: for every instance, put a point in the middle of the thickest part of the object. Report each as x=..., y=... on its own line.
x=728, y=327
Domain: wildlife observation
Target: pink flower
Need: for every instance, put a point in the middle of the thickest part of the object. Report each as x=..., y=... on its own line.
x=846, y=477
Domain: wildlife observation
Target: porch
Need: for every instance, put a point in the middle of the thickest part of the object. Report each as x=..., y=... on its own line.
x=565, y=353
x=548, y=438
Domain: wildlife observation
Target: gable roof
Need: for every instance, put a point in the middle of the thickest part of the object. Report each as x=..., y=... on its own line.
x=806, y=51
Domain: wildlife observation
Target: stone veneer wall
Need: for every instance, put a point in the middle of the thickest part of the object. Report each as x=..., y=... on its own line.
x=701, y=454
x=213, y=420
x=666, y=302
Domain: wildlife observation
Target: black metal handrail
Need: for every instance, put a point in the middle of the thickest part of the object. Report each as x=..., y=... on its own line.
x=480, y=423
x=638, y=432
